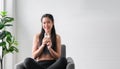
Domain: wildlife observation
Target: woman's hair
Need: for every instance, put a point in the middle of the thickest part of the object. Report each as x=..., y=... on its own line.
x=53, y=32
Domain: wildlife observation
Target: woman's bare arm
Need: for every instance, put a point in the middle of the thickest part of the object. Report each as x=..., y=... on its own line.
x=36, y=49
x=56, y=54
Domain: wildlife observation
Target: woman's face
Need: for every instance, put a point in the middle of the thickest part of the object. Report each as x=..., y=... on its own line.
x=47, y=24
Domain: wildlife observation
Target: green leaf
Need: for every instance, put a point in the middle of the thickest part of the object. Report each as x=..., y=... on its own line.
x=8, y=25
x=8, y=19
x=2, y=34
x=13, y=48
x=8, y=39
x=8, y=34
x=15, y=43
x=3, y=43
x=16, y=49
x=3, y=13
x=5, y=51
x=1, y=25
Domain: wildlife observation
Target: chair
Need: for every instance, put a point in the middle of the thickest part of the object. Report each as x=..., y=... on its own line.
x=70, y=62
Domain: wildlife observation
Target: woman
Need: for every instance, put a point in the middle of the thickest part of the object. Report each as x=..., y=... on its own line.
x=46, y=51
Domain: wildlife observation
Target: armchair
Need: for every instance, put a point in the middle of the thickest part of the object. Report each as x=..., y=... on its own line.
x=70, y=62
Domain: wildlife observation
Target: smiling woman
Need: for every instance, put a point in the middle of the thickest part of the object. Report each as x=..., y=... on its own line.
x=46, y=50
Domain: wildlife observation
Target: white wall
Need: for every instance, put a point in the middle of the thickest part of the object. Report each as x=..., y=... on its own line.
x=89, y=28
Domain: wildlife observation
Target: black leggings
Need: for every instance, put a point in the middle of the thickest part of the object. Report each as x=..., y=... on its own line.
x=30, y=63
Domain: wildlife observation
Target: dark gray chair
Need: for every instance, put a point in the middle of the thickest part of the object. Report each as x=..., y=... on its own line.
x=70, y=62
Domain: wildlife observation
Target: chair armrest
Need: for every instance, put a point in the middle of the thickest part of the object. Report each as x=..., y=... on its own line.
x=19, y=65
x=70, y=63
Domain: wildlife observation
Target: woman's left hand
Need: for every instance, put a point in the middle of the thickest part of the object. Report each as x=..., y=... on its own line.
x=49, y=43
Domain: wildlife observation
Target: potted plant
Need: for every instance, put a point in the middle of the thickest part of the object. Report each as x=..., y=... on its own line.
x=7, y=40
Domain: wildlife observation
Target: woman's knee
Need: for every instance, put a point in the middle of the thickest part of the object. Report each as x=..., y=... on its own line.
x=62, y=59
x=28, y=60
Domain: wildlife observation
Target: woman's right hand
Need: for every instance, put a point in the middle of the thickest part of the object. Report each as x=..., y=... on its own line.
x=44, y=41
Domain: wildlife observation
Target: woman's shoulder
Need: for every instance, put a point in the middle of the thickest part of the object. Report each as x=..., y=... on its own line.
x=58, y=37
x=36, y=36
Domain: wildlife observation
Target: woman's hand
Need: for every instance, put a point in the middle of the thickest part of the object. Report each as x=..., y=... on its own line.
x=47, y=41
x=44, y=41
